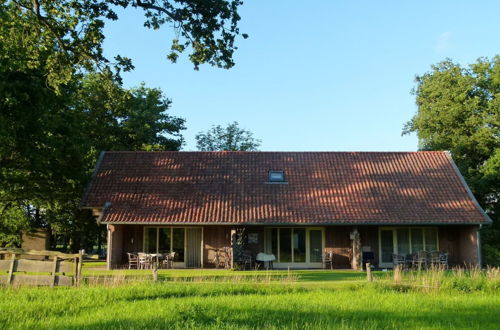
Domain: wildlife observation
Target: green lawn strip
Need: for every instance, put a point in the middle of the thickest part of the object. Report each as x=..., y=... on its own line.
x=245, y=305
x=207, y=274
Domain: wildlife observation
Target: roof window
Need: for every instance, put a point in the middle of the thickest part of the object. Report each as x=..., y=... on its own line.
x=276, y=176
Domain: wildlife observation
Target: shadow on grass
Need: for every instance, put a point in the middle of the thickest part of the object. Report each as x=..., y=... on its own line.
x=201, y=316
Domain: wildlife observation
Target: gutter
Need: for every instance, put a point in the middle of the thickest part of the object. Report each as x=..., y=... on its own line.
x=294, y=224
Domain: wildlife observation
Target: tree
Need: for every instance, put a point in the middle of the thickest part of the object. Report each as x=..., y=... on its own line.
x=459, y=111
x=62, y=37
x=230, y=138
x=61, y=100
x=47, y=160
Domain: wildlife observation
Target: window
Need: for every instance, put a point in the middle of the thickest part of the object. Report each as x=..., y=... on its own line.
x=276, y=176
x=165, y=240
x=295, y=245
x=407, y=240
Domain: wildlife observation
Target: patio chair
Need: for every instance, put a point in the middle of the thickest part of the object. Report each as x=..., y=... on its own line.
x=247, y=260
x=399, y=260
x=420, y=260
x=168, y=260
x=443, y=260
x=433, y=258
x=216, y=259
x=328, y=260
x=144, y=260
x=133, y=261
x=226, y=251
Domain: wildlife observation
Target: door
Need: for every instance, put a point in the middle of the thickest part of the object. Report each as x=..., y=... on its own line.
x=315, y=245
x=386, y=247
x=295, y=247
x=193, y=247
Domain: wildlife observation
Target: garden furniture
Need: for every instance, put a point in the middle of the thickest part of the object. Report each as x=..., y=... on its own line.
x=144, y=260
x=420, y=260
x=266, y=259
x=399, y=260
x=168, y=260
x=133, y=261
x=328, y=259
x=247, y=260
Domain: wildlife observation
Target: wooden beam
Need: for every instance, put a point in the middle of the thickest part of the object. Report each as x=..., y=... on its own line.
x=11, y=270
x=38, y=253
x=54, y=271
x=78, y=275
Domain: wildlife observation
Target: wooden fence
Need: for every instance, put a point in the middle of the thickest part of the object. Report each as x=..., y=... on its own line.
x=24, y=267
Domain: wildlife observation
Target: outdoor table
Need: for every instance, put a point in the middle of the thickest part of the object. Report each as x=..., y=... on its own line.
x=155, y=258
x=266, y=258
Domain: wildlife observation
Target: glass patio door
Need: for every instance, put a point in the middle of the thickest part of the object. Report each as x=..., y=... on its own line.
x=386, y=246
x=302, y=247
x=315, y=246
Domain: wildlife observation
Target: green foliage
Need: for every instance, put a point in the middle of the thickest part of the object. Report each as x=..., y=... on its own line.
x=64, y=36
x=50, y=142
x=459, y=111
x=61, y=102
x=230, y=138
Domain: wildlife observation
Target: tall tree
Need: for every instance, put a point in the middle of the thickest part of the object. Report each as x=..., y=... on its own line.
x=61, y=99
x=47, y=160
x=64, y=36
x=229, y=138
x=459, y=111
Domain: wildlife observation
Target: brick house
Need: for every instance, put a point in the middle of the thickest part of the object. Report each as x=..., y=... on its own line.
x=296, y=205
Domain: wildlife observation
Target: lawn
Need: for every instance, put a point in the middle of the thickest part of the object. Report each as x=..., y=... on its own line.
x=300, y=299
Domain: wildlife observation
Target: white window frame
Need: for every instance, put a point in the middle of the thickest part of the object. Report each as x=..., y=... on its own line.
x=178, y=263
x=395, y=240
x=307, y=262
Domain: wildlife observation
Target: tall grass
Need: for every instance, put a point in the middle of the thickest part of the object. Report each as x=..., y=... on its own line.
x=437, y=278
x=461, y=298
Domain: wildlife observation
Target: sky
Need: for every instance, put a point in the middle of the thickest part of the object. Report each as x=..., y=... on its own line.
x=314, y=75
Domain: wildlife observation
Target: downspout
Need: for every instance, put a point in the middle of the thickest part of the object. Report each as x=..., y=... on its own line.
x=479, y=253
x=109, y=248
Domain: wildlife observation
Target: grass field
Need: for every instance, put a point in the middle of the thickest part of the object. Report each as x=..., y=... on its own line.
x=280, y=299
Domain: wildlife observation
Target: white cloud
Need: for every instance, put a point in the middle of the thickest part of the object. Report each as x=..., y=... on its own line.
x=443, y=42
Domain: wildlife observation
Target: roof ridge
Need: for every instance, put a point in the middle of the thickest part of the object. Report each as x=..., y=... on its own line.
x=281, y=152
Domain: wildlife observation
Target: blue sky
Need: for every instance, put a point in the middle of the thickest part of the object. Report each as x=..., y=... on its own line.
x=314, y=75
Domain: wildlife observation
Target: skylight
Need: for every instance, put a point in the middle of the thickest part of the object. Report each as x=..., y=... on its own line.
x=276, y=176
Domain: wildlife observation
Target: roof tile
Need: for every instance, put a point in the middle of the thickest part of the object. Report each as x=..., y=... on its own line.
x=322, y=188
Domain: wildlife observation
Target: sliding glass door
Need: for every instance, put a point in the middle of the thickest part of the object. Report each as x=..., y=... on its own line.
x=301, y=247
x=406, y=240
x=165, y=240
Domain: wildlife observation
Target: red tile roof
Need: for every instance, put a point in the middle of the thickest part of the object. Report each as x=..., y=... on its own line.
x=322, y=188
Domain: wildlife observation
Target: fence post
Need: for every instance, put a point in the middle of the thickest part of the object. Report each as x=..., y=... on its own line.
x=54, y=270
x=11, y=269
x=397, y=274
x=369, y=275
x=155, y=272
x=79, y=268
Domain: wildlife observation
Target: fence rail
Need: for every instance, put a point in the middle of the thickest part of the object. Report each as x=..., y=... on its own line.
x=57, y=264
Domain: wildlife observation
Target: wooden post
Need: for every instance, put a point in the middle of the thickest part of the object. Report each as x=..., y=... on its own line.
x=234, y=237
x=357, y=260
x=397, y=274
x=80, y=265
x=155, y=272
x=11, y=269
x=369, y=275
x=54, y=271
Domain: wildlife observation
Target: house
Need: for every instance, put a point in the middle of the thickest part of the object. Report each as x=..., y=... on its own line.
x=295, y=205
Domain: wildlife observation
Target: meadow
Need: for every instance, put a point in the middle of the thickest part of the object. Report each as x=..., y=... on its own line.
x=221, y=299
